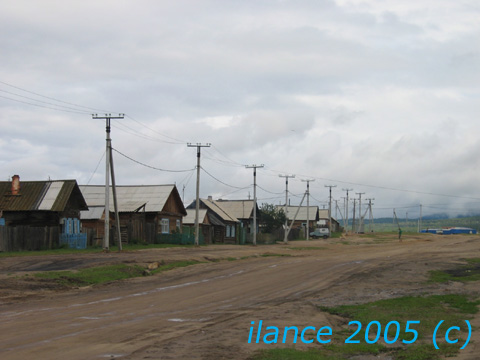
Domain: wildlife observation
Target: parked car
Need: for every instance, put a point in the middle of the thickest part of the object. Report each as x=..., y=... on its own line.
x=320, y=233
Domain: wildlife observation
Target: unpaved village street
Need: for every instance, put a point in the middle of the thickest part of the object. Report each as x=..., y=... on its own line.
x=204, y=311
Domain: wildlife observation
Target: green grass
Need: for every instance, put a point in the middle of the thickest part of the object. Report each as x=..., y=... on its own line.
x=269, y=254
x=426, y=352
x=308, y=248
x=104, y=274
x=468, y=272
x=430, y=310
x=94, y=275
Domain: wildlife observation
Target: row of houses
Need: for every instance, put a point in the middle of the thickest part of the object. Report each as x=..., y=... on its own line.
x=146, y=212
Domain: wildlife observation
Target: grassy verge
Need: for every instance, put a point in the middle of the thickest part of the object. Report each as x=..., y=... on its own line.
x=429, y=311
x=468, y=272
x=105, y=274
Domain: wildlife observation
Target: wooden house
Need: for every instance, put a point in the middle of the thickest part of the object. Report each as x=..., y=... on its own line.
x=224, y=226
x=40, y=214
x=145, y=211
x=241, y=210
x=301, y=219
x=40, y=203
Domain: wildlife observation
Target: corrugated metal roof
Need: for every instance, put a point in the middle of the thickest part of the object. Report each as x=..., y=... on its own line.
x=240, y=209
x=93, y=213
x=130, y=198
x=36, y=196
x=323, y=213
x=302, y=213
x=190, y=218
x=52, y=192
x=222, y=213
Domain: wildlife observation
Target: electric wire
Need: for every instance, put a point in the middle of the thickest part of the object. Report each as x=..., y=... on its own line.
x=120, y=126
x=148, y=166
x=96, y=168
x=177, y=141
x=50, y=98
x=221, y=182
x=43, y=106
x=43, y=102
x=77, y=109
x=270, y=192
x=226, y=157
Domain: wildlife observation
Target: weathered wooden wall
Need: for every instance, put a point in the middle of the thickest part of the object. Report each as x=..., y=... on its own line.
x=20, y=238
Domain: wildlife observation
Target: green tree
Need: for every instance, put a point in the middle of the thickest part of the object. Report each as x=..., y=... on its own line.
x=271, y=218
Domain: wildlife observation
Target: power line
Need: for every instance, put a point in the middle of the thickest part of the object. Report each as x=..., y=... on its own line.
x=226, y=157
x=177, y=141
x=43, y=106
x=136, y=133
x=381, y=187
x=221, y=182
x=149, y=166
x=94, y=171
x=43, y=102
x=273, y=193
x=51, y=98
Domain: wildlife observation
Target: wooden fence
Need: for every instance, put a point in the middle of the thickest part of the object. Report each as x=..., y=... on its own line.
x=21, y=238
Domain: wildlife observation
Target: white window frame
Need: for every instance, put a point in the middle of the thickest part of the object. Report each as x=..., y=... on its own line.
x=165, y=225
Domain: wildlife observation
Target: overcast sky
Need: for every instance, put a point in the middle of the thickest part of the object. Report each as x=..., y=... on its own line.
x=377, y=96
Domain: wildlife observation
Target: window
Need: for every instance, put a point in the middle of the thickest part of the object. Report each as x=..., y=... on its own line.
x=165, y=224
x=230, y=231
x=179, y=224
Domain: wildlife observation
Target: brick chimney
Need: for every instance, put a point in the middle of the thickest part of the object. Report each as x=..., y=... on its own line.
x=15, y=185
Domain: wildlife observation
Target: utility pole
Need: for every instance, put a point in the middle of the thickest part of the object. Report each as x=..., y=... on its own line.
x=108, y=167
x=353, y=221
x=360, y=221
x=197, y=205
x=346, y=209
x=420, y=220
x=330, y=209
x=343, y=216
x=370, y=214
x=286, y=205
x=254, y=167
x=308, y=206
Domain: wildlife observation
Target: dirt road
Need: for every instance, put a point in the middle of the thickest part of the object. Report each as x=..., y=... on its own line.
x=205, y=311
